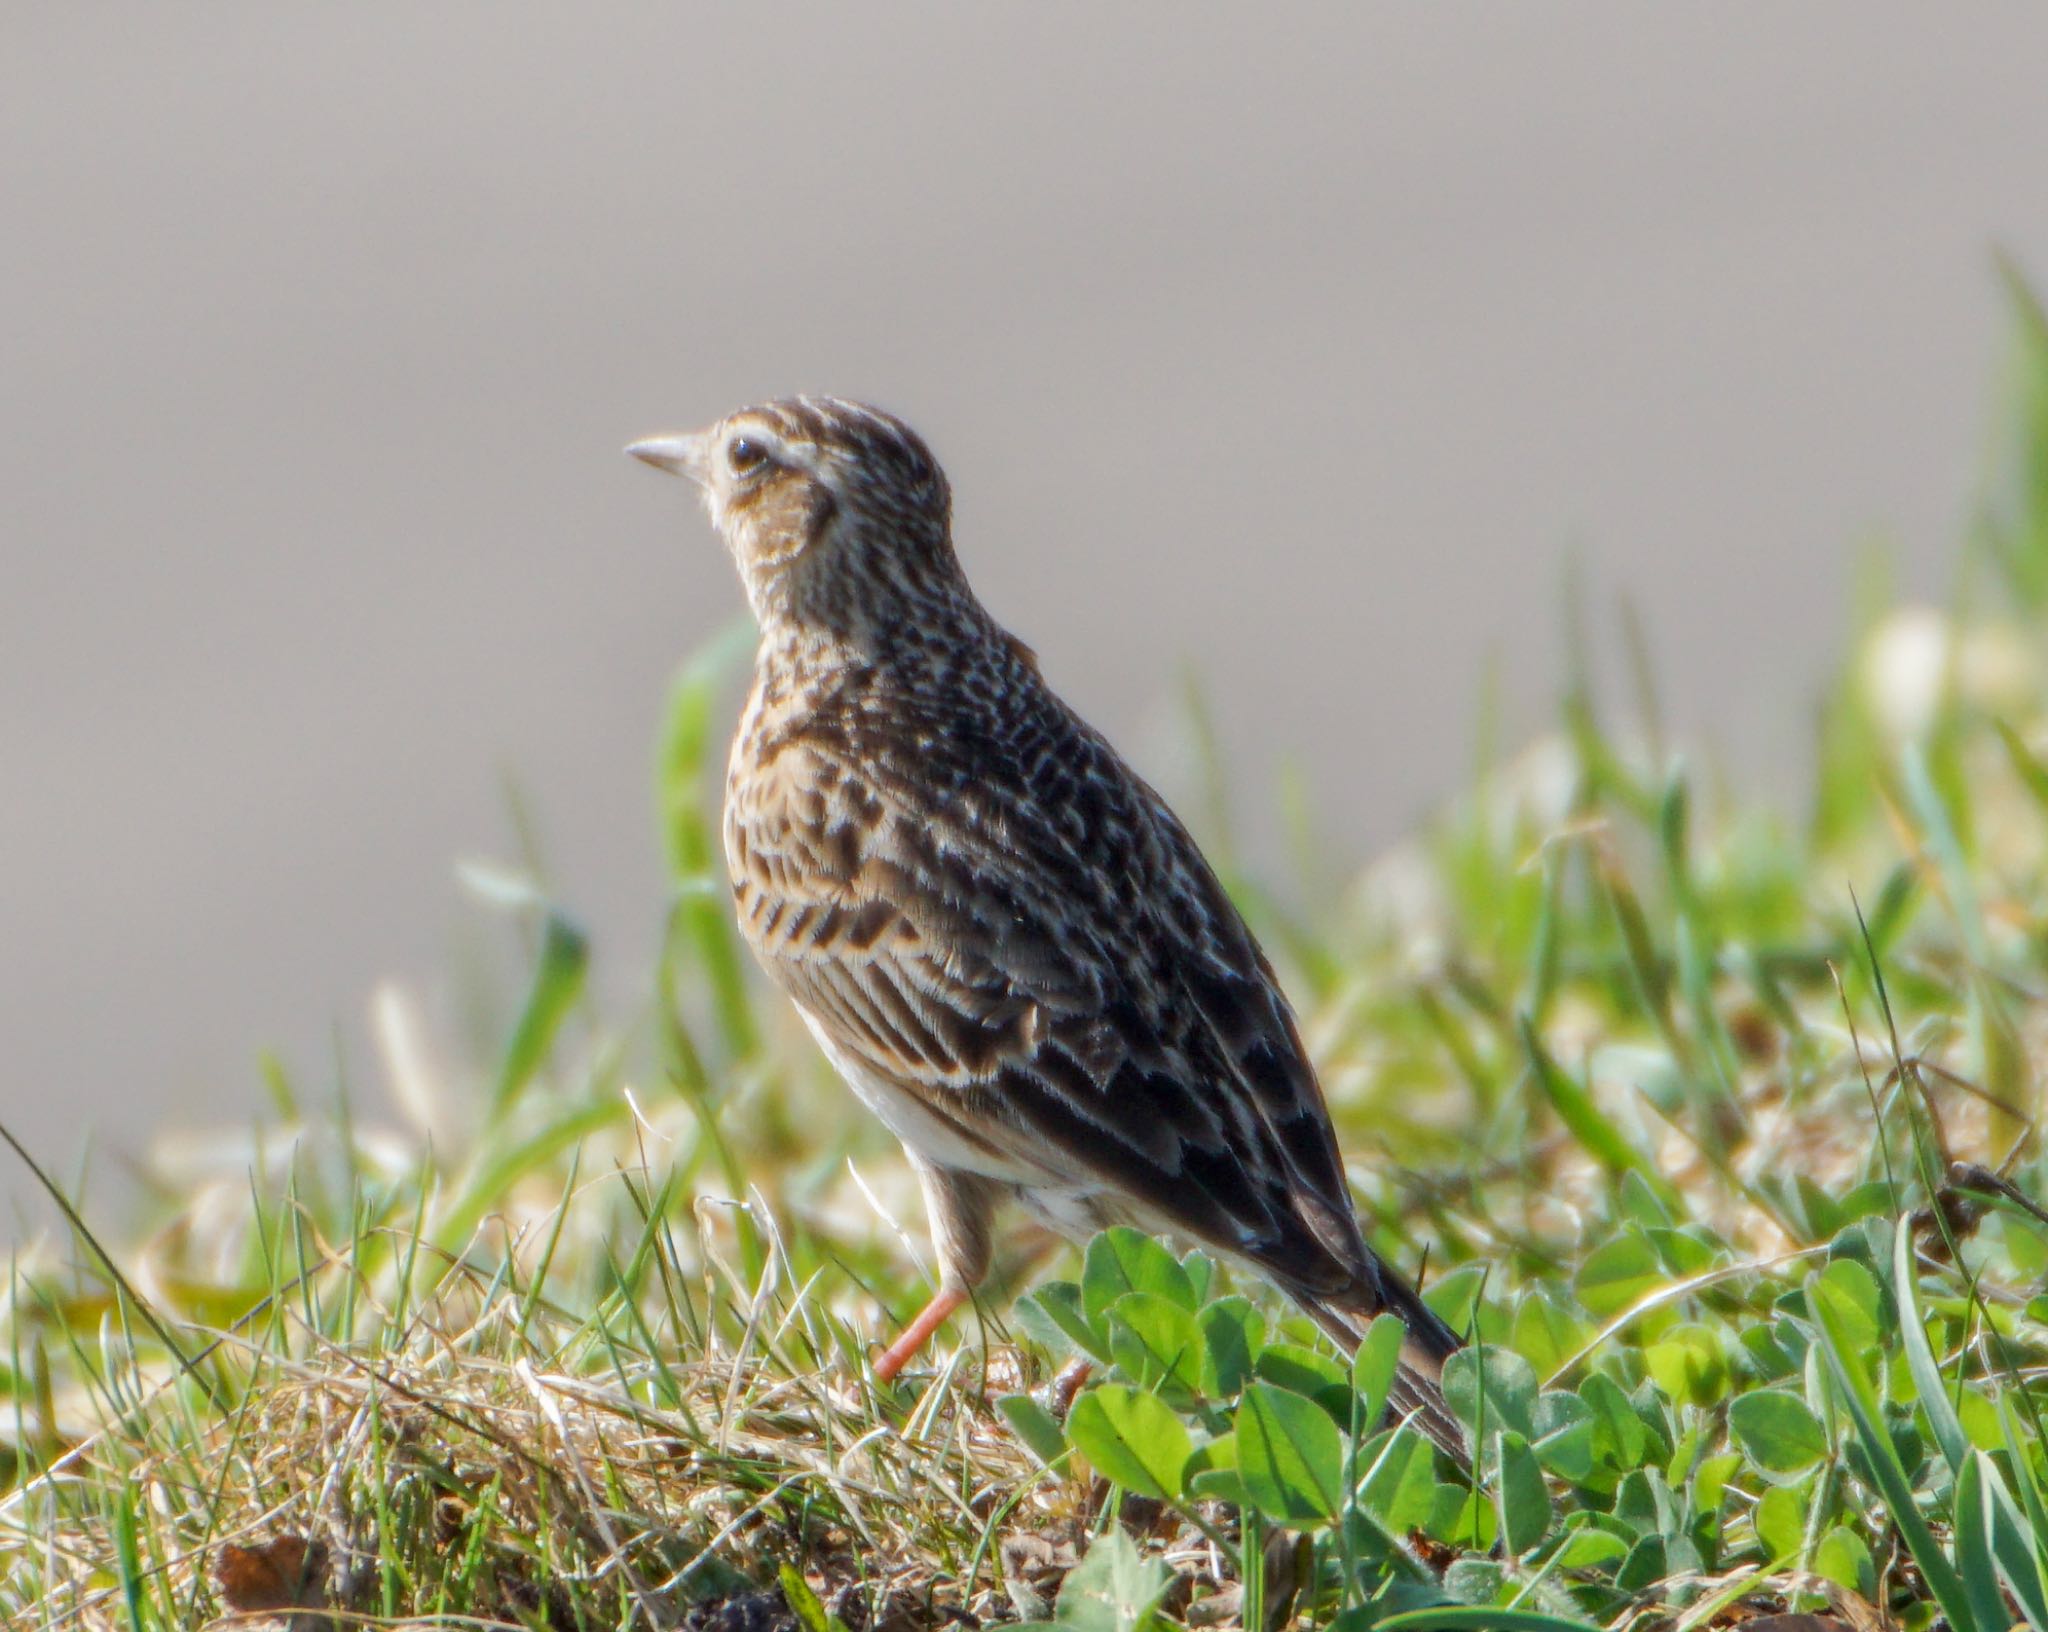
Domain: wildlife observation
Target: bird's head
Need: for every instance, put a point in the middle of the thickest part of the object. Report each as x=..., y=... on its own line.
x=837, y=515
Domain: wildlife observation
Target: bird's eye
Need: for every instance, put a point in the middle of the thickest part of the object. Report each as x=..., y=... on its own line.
x=744, y=454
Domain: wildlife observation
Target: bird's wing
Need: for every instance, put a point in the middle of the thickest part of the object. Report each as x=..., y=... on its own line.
x=1055, y=971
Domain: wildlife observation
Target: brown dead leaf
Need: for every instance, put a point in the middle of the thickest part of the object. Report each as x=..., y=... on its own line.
x=1289, y=1558
x=286, y=1572
x=1034, y=1565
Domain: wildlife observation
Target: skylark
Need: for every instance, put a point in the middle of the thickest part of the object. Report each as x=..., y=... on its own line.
x=1004, y=940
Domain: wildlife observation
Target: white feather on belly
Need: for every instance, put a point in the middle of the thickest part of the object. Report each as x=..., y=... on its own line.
x=923, y=1132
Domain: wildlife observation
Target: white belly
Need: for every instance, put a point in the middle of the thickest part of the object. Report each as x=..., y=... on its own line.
x=927, y=1135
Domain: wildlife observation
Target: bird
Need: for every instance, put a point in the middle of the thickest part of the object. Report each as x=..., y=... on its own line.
x=1003, y=939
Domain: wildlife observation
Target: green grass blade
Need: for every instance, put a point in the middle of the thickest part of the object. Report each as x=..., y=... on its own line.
x=2017, y=1546
x=1868, y=1417
x=490, y=1181
x=1584, y=1119
x=1938, y=828
x=2031, y=1499
x=1479, y=1618
x=685, y=810
x=1934, y=1400
x=2032, y=773
x=1974, y=1561
x=557, y=983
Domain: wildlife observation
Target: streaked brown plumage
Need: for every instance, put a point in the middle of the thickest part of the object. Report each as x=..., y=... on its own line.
x=1004, y=940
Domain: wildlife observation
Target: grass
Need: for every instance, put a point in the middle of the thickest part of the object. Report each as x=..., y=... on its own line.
x=1716, y=1130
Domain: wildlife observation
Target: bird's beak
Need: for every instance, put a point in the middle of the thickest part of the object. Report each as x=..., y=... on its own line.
x=678, y=455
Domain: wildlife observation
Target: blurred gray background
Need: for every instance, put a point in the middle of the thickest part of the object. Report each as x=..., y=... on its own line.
x=1301, y=346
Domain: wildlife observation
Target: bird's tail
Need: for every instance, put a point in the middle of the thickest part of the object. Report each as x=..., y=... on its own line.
x=1415, y=1396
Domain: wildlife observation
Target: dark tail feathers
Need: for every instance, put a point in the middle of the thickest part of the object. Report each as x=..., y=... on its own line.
x=1415, y=1396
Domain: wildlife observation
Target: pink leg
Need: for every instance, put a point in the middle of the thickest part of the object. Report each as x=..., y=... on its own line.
x=917, y=1334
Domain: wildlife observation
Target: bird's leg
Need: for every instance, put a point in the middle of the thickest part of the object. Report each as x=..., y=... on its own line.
x=959, y=1205
x=900, y=1353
